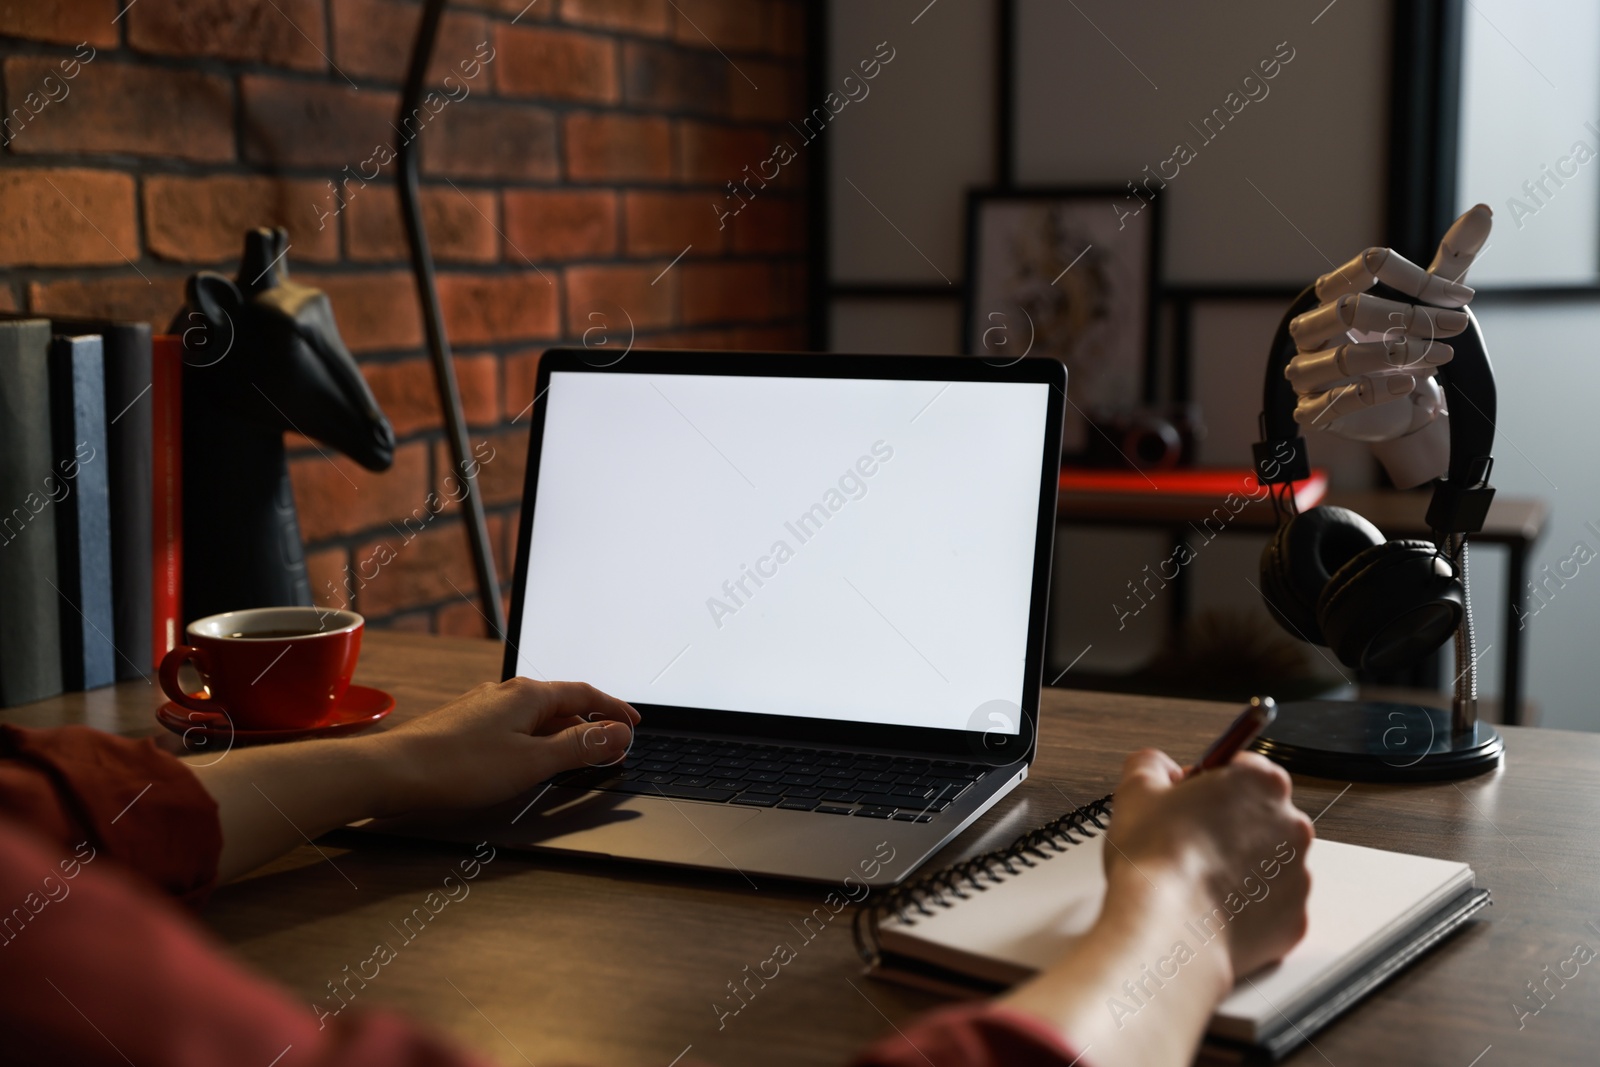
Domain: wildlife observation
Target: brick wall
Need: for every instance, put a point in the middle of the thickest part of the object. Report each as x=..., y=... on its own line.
x=561, y=180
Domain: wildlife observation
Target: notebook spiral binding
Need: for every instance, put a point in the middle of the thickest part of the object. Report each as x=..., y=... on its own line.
x=961, y=881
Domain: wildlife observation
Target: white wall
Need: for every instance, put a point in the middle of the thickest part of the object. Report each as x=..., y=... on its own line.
x=903, y=157
x=1530, y=93
x=1106, y=89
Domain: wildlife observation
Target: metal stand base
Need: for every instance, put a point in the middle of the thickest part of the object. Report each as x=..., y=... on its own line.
x=1377, y=741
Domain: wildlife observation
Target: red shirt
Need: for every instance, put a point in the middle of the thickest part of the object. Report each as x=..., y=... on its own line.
x=101, y=964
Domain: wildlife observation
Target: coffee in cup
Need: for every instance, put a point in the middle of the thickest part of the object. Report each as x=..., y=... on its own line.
x=268, y=668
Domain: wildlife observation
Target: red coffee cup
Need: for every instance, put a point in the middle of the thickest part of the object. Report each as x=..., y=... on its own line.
x=268, y=668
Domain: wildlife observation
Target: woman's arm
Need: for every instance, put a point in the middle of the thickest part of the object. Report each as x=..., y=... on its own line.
x=1140, y=987
x=486, y=746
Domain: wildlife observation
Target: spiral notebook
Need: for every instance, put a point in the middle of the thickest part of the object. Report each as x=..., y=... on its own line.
x=998, y=918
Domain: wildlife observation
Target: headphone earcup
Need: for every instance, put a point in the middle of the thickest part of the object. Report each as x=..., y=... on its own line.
x=1391, y=605
x=1300, y=559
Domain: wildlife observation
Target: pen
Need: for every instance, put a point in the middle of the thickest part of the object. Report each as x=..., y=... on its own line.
x=1256, y=716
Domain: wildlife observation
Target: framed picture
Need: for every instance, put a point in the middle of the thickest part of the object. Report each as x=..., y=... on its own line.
x=1069, y=274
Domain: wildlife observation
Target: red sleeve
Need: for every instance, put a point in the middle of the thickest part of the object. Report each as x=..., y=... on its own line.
x=99, y=795
x=973, y=1035
x=97, y=970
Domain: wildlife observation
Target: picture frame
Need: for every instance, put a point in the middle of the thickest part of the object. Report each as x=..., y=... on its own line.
x=1067, y=272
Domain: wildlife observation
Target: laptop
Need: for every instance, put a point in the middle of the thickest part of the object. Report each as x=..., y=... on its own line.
x=821, y=579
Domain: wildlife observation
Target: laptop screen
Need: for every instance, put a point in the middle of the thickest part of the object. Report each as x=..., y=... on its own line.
x=830, y=548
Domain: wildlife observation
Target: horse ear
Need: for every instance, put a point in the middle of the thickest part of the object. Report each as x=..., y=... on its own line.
x=280, y=250
x=216, y=298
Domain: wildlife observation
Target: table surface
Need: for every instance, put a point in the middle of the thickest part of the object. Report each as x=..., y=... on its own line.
x=569, y=960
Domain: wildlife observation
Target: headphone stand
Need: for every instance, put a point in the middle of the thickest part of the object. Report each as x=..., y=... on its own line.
x=1370, y=740
x=1381, y=741
x=1378, y=741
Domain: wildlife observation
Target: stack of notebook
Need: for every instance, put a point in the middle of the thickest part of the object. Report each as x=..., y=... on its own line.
x=997, y=919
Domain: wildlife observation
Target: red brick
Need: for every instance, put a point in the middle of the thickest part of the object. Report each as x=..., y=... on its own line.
x=520, y=10
x=414, y=565
x=772, y=93
x=373, y=39
x=481, y=308
x=791, y=288
x=768, y=224
x=67, y=218
x=618, y=147
x=786, y=28
x=337, y=496
x=460, y=225
x=376, y=312
x=731, y=25
x=202, y=220
x=123, y=107
x=464, y=618
x=521, y=371
x=406, y=392
x=661, y=76
x=667, y=223
x=724, y=292
x=557, y=64
x=128, y=297
x=720, y=154
x=509, y=524
x=542, y=224
x=62, y=21
x=734, y=338
x=8, y=298
x=483, y=140
x=608, y=289
x=793, y=338
x=279, y=33
x=327, y=571
x=316, y=124
x=634, y=16
x=502, y=458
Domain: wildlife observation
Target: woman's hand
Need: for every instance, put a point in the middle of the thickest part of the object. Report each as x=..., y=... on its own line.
x=1231, y=833
x=501, y=739
x=484, y=747
x=1206, y=882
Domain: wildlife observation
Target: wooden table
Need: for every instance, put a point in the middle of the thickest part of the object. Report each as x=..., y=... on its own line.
x=1513, y=522
x=575, y=961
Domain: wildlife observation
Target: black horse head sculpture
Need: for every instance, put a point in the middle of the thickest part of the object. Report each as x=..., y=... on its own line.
x=262, y=356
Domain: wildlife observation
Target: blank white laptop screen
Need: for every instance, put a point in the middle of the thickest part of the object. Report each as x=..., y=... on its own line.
x=816, y=547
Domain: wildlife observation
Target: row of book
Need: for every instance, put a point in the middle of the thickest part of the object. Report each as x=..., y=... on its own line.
x=90, y=508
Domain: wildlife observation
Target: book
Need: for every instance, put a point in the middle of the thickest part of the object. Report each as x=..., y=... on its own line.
x=30, y=619
x=994, y=920
x=129, y=412
x=83, y=513
x=126, y=347
x=128, y=439
x=166, y=502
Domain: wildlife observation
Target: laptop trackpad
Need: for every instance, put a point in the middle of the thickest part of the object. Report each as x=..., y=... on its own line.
x=635, y=827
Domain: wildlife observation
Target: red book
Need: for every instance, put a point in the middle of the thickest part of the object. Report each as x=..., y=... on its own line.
x=166, y=512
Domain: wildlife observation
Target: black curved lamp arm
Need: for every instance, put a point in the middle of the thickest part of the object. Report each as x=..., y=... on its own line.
x=444, y=371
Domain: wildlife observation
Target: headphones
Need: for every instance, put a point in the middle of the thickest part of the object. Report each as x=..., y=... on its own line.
x=1329, y=576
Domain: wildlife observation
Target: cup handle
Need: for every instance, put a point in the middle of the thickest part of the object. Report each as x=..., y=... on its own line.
x=173, y=662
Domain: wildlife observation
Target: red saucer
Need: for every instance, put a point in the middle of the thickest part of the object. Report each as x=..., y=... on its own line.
x=360, y=707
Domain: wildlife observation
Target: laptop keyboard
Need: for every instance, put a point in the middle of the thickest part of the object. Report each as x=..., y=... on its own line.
x=904, y=788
